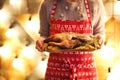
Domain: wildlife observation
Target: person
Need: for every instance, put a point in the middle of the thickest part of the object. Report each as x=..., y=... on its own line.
x=81, y=16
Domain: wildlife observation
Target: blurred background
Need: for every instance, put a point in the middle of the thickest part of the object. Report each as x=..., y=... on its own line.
x=19, y=26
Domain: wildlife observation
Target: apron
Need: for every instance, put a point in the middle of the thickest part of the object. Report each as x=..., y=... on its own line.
x=71, y=65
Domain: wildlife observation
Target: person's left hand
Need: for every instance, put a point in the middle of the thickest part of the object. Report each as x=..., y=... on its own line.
x=101, y=41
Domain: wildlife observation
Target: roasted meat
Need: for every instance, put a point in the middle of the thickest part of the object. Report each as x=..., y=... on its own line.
x=70, y=40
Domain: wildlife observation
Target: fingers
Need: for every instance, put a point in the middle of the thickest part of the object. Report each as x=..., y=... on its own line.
x=100, y=41
x=39, y=45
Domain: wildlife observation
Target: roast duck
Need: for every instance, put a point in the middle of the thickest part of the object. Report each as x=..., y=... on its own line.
x=66, y=41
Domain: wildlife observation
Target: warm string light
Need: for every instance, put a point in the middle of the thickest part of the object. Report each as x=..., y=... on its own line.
x=5, y=52
x=116, y=7
x=12, y=33
x=107, y=52
x=13, y=2
x=16, y=3
x=4, y=15
x=18, y=64
x=28, y=52
x=114, y=75
x=32, y=27
x=32, y=24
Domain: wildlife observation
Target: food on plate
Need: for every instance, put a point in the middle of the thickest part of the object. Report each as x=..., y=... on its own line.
x=70, y=41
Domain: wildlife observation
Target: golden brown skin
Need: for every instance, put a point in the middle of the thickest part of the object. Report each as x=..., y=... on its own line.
x=71, y=40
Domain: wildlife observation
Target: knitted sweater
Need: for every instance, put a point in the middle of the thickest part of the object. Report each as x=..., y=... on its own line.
x=73, y=11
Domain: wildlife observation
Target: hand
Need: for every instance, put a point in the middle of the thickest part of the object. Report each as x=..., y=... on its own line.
x=39, y=44
x=101, y=41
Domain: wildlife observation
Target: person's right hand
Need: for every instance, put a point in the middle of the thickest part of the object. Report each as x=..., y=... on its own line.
x=39, y=44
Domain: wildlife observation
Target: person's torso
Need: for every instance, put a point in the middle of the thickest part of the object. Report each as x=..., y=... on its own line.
x=73, y=24
x=65, y=14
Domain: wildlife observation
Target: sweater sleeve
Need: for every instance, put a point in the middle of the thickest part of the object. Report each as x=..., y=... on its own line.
x=99, y=20
x=44, y=24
